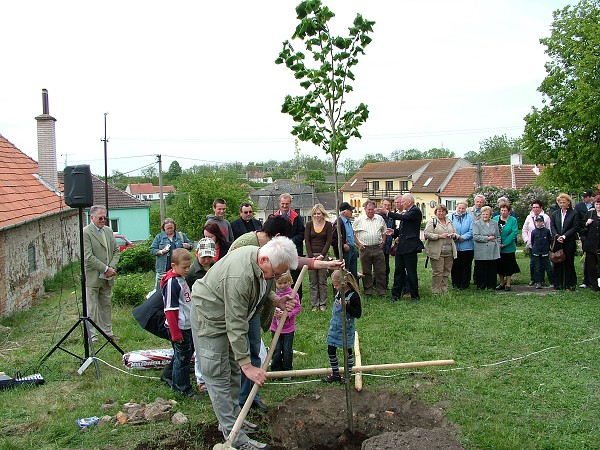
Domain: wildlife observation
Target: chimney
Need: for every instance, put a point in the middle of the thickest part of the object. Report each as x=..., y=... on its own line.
x=47, y=144
x=516, y=159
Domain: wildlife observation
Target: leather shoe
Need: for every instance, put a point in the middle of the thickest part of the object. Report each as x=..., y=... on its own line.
x=257, y=404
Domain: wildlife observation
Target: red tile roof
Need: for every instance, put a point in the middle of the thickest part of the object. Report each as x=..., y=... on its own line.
x=464, y=181
x=23, y=196
x=148, y=188
x=436, y=172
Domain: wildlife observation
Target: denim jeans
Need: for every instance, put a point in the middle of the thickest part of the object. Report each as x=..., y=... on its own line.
x=182, y=354
x=351, y=260
x=284, y=352
x=254, y=340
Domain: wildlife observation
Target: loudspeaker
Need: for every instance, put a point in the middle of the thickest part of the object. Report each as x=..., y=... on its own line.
x=79, y=191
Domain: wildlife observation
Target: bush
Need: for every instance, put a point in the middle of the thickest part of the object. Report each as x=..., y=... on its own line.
x=131, y=289
x=137, y=259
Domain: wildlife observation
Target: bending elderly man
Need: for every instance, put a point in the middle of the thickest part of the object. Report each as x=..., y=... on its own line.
x=222, y=304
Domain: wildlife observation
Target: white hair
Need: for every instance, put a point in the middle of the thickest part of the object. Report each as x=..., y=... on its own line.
x=281, y=250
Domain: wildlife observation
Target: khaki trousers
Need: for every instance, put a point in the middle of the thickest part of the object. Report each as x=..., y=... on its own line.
x=440, y=269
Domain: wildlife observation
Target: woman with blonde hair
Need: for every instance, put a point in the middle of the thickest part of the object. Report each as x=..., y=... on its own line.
x=440, y=248
x=564, y=225
x=317, y=238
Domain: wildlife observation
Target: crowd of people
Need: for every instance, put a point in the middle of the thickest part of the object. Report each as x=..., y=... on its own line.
x=219, y=313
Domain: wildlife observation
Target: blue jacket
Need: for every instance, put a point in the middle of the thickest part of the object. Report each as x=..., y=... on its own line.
x=159, y=243
x=464, y=229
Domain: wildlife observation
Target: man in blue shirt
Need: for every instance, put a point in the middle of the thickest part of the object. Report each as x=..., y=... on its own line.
x=349, y=249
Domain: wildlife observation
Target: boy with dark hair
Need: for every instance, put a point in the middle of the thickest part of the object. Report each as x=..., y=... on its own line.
x=541, y=240
x=177, y=299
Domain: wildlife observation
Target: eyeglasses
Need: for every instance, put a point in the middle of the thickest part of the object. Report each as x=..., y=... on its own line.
x=275, y=274
x=246, y=212
x=101, y=217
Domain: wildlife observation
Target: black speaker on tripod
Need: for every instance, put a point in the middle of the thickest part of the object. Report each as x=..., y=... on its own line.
x=79, y=193
x=79, y=190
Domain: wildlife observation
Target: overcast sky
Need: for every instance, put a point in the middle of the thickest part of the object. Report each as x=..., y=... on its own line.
x=196, y=81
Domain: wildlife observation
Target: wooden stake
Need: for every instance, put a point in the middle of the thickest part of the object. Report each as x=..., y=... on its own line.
x=371, y=368
x=358, y=361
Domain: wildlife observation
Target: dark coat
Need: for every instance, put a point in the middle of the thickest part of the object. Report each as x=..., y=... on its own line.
x=409, y=231
x=238, y=226
x=591, y=232
x=334, y=239
x=297, y=236
x=571, y=226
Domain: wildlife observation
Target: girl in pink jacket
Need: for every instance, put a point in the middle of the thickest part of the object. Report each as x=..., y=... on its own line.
x=284, y=352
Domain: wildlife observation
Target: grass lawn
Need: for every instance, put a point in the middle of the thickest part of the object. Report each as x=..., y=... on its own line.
x=547, y=400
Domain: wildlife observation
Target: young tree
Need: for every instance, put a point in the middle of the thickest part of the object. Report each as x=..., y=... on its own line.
x=174, y=170
x=565, y=133
x=320, y=114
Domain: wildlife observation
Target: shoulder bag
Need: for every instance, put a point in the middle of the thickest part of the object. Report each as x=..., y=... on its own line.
x=557, y=256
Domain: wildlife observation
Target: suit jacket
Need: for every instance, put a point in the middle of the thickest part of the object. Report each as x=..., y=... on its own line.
x=96, y=254
x=238, y=227
x=569, y=228
x=591, y=232
x=486, y=250
x=409, y=231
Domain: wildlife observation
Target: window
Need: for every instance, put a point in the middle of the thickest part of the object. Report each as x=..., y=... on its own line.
x=31, y=259
x=114, y=225
x=451, y=205
x=375, y=185
x=389, y=185
x=427, y=182
x=404, y=185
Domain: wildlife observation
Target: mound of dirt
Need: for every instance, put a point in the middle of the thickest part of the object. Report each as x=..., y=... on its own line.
x=318, y=421
x=382, y=420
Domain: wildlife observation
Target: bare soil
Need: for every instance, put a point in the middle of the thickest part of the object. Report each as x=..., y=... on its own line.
x=319, y=421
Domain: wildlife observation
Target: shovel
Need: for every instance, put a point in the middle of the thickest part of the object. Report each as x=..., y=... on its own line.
x=244, y=412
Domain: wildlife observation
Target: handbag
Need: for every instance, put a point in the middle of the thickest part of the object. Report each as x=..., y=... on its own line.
x=558, y=256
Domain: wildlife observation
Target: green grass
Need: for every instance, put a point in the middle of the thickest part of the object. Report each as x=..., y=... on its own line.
x=548, y=400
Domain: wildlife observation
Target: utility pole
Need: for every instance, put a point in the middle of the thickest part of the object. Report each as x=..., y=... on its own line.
x=160, y=189
x=106, y=172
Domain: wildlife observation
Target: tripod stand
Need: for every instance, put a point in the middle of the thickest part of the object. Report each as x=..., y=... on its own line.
x=88, y=344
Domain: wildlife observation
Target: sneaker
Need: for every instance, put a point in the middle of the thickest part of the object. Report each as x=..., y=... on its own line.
x=313, y=309
x=323, y=308
x=247, y=427
x=331, y=378
x=531, y=283
x=583, y=285
x=507, y=288
x=251, y=444
x=538, y=285
x=500, y=287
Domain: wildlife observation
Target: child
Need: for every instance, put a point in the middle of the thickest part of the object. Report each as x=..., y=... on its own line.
x=541, y=240
x=204, y=260
x=177, y=301
x=284, y=353
x=349, y=291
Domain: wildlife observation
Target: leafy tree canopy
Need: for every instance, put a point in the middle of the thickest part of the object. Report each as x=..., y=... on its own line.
x=195, y=195
x=433, y=153
x=319, y=113
x=174, y=170
x=564, y=133
x=496, y=150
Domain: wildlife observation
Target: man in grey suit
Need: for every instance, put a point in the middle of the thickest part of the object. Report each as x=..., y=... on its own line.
x=101, y=254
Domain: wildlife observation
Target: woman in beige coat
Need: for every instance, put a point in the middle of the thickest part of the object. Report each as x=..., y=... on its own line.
x=441, y=250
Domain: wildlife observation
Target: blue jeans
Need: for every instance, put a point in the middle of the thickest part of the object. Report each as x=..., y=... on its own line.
x=182, y=354
x=254, y=340
x=284, y=352
x=351, y=260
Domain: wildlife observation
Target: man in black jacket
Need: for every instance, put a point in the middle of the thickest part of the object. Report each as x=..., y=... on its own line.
x=408, y=237
x=246, y=223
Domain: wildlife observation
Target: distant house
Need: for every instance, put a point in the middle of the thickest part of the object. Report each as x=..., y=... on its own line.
x=424, y=179
x=466, y=180
x=259, y=177
x=266, y=200
x=147, y=191
x=39, y=234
